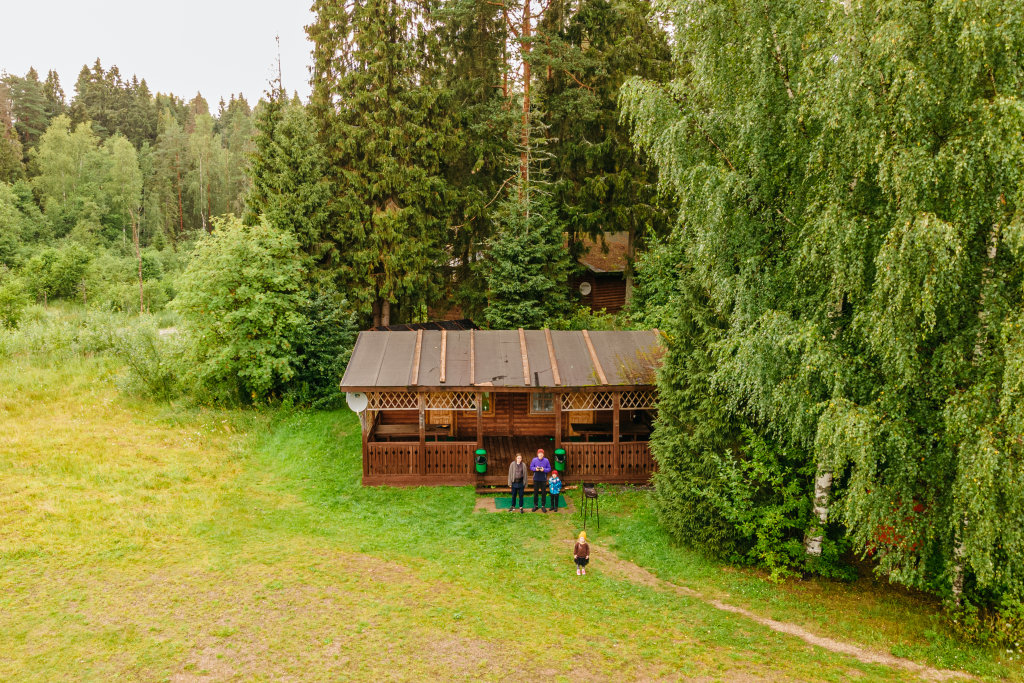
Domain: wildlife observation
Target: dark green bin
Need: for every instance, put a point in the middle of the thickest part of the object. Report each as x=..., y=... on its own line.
x=481, y=461
x=560, y=459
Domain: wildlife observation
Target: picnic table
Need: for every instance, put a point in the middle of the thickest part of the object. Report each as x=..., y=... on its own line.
x=402, y=431
x=633, y=429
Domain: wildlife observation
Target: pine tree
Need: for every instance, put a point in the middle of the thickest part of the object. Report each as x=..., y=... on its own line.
x=29, y=108
x=11, y=167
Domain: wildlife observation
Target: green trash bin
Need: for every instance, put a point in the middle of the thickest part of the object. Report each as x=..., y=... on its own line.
x=560, y=459
x=481, y=461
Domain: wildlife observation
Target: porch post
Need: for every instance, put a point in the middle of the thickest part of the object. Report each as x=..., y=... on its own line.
x=558, y=420
x=616, y=451
x=365, y=424
x=480, y=420
x=422, y=402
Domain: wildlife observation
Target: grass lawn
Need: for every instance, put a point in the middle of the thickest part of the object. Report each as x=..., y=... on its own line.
x=158, y=543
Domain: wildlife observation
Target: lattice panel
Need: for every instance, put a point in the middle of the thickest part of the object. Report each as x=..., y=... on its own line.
x=391, y=400
x=638, y=400
x=597, y=400
x=452, y=400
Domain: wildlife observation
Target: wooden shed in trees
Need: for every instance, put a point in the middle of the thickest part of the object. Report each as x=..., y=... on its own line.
x=429, y=399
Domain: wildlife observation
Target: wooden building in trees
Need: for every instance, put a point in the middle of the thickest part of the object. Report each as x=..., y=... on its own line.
x=602, y=285
x=430, y=399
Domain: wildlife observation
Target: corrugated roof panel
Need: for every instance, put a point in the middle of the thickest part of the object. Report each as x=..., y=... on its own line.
x=540, y=364
x=457, y=366
x=384, y=359
x=430, y=359
x=368, y=353
x=625, y=357
x=573, y=359
x=396, y=370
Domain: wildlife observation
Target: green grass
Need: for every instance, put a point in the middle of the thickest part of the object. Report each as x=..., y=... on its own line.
x=162, y=543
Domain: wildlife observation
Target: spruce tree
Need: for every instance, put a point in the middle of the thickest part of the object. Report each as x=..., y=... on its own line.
x=288, y=174
x=527, y=266
x=589, y=49
x=384, y=127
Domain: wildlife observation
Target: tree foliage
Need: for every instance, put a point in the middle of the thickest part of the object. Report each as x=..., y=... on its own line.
x=241, y=302
x=849, y=178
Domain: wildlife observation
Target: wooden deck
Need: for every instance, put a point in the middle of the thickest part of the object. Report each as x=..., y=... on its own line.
x=451, y=462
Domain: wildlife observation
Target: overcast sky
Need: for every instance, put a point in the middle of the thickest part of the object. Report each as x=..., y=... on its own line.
x=217, y=47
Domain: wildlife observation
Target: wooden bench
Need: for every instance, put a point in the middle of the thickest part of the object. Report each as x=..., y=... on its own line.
x=388, y=432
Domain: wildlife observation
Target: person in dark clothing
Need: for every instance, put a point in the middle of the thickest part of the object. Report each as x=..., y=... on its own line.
x=540, y=468
x=517, y=481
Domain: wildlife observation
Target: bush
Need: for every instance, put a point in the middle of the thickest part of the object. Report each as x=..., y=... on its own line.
x=325, y=350
x=151, y=361
x=13, y=300
x=241, y=302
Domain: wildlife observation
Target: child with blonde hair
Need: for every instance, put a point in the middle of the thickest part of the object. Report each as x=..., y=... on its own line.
x=581, y=554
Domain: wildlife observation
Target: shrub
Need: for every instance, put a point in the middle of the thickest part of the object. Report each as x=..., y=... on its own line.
x=151, y=361
x=241, y=303
x=13, y=298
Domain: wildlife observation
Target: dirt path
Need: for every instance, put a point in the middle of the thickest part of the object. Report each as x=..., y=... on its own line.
x=637, y=574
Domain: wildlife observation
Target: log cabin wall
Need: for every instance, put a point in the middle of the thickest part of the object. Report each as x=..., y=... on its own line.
x=511, y=417
x=607, y=291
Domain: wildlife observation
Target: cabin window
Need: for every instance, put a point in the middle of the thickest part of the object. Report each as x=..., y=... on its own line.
x=488, y=403
x=542, y=402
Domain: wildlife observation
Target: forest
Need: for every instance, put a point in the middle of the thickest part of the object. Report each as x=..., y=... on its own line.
x=823, y=204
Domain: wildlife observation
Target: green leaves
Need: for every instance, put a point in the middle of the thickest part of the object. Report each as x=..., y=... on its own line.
x=850, y=182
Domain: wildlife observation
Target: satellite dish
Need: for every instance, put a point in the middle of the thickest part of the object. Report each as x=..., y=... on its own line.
x=357, y=401
x=585, y=288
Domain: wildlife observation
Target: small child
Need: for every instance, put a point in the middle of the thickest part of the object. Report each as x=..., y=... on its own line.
x=581, y=554
x=554, y=488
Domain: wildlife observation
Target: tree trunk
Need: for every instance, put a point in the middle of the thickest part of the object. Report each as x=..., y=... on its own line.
x=524, y=136
x=385, y=312
x=138, y=257
x=816, y=533
x=181, y=210
x=376, y=313
x=630, y=252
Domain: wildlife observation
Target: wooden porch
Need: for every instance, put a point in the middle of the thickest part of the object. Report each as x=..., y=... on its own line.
x=432, y=400
x=452, y=462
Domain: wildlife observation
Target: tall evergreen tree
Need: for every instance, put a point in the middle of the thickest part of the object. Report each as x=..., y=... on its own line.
x=288, y=168
x=384, y=131
x=527, y=265
x=29, y=108
x=11, y=167
x=469, y=68
x=588, y=50
x=56, y=102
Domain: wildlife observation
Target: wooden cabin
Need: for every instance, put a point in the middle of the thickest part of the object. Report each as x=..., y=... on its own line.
x=430, y=399
x=602, y=285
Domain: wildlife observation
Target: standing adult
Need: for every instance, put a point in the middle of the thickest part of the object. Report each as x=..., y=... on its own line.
x=540, y=468
x=517, y=481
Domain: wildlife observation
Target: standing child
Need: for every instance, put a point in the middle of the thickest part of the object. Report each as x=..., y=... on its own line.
x=581, y=554
x=554, y=488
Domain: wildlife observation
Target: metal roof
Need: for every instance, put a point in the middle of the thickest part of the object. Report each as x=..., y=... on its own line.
x=502, y=358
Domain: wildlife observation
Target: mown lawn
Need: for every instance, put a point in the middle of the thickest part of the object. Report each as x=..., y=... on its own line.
x=160, y=543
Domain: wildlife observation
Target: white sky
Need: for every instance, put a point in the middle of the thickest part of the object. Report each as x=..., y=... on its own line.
x=217, y=47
